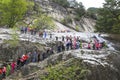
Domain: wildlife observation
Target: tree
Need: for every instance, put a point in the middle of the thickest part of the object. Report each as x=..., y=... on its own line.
x=72, y=70
x=80, y=11
x=63, y=3
x=12, y=11
x=109, y=17
x=92, y=12
x=73, y=3
x=14, y=41
x=43, y=21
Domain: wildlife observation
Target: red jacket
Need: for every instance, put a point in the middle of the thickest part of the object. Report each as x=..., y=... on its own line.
x=1, y=71
x=25, y=57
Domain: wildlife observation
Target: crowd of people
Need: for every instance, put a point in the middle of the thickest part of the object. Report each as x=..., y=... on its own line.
x=66, y=43
x=25, y=30
x=77, y=43
x=35, y=56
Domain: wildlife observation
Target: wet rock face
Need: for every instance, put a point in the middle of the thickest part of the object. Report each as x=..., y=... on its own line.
x=110, y=71
x=7, y=52
x=30, y=71
x=116, y=64
x=52, y=9
x=61, y=14
x=106, y=67
x=102, y=73
x=107, y=72
x=114, y=38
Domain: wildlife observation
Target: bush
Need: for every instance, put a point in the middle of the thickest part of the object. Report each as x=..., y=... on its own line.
x=66, y=20
x=70, y=71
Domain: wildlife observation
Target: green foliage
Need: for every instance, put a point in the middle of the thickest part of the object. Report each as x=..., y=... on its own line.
x=37, y=8
x=21, y=23
x=63, y=21
x=43, y=22
x=63, y=3
x=80, y=11
x=30, y=5
x=14, y=41
x=66, y=20
x=77, y=28
x=77, y=18
x=78, y=8
x=92, y=12
x=12, y=11
x=4, y=1
x=70, y=71
x=116, y=28
x=108, y=17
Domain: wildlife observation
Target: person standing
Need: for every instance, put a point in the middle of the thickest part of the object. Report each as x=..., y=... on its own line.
x=74, y=44
x=35, y=56
x=18, y=63
x=8, y=67
x=4, y=72
x=97, y=45
x=29, y=54
x=44, y=35
x=71, y=45
x=80, y=44
x=67, y=45
x=63, y=38
x=13, y=65
x=25, y=30
x=50, y=35
x=89, y=46
x=63, y=47
x=1, y=72
x=56, y=38
x=58, y=47
x=22, y=30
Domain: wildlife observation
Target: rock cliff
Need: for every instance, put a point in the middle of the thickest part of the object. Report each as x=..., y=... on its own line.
x=61, y=14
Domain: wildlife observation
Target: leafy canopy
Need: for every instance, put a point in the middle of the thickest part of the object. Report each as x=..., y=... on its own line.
x=72, y=70
x=109, y=17
x=63, y=3
x=92, y=12
x=43, y=21
x=12, y=11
